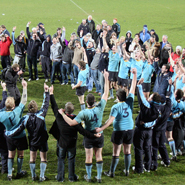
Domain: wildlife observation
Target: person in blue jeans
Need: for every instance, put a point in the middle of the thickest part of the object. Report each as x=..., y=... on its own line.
x=56, y=56
x=67, y=138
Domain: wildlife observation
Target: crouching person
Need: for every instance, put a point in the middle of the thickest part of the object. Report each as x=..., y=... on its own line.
x=67, y=139
x=34, y=121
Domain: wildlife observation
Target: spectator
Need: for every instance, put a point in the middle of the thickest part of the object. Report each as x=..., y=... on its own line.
x=83, y=26
x=5, y=50
x=128, y=39
x=116, y=27
x=90, y=23
x=152, y=32
x=4, y=30
x=144, y=35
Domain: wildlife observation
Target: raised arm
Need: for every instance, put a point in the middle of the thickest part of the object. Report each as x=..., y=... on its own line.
x=54, y=105
x=24, y=93
x=13, y=35
x=27, y=30
x=63, y=34
x=45, y=104
x=134, y=81
x=106, y=86
x=4, y=95
x=141, y=97
x=171, y=60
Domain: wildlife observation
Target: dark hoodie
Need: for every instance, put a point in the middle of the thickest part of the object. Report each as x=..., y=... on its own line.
x=128, y=40
x=46, y=47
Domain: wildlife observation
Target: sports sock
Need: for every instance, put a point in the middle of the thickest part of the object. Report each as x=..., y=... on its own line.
x=10, y=166
x=172, y=146
x=184, y=144
x=127, y=160
x=114, y=163
x=88, y=167
x=111, y=92
x=99, y=166
x=32, y=168
x=43, y=165
x=19, y=164
x=82, y=106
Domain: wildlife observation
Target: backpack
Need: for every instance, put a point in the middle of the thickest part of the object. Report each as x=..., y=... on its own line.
x=119, y=28
x=4, y=72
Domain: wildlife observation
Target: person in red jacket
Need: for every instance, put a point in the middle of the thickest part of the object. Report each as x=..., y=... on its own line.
x=175, y=55
x=5, y=50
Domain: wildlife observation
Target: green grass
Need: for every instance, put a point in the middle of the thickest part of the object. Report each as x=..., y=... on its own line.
x=165, y=16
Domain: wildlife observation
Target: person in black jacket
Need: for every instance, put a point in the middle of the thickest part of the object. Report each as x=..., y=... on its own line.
x=34, y=121
x=32, y=49
x=158, y=137
x=83, y=27
x=90, y=23
x=149, y=112
x=11, y=77
x=67, y=139
x=45, y=57
x=19, y=49
x=3, y=145
x=128, y=40
x=96, y=33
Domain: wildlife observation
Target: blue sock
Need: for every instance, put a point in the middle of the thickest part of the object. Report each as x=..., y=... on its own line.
x=43, y=165
x=184, y=144
x=114, y=163
x=19, y=164
x=10, y=166
x=82, y=106
x=127, y=160
x=172, y=146
x=111, y=92
x=88, y=167
x=99, y=166
x=32, y=168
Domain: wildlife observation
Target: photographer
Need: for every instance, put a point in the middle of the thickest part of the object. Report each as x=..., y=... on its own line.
x=11, y=77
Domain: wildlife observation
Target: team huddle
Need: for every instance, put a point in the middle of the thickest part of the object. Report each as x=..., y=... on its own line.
x=104, y=58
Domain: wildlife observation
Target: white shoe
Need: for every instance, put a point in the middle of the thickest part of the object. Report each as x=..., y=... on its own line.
x=165, y=165
x=72, y=85
x=66, y=84
x=37, y=79
x=126, y=172
x=62, y=83
x=46, y=80
x=29, y=79
x=110, y=97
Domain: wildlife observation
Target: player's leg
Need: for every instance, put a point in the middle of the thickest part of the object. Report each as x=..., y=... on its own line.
x=99, y=162
x=43, y=165
x=33, y=156
x=11, y=155
x=88, y=162
x=127, y=157
x=82, y=103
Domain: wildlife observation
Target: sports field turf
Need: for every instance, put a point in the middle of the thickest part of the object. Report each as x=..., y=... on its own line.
x=165, y=16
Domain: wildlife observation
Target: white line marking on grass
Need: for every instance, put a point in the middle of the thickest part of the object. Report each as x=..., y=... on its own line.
x=83, y=10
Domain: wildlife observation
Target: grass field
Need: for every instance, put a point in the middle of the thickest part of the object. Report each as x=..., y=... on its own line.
x=165, y=16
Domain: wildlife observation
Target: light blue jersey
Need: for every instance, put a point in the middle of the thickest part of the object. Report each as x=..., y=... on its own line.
x=92, y=116
x=113, y=61
x=147, y=72
x=122, y=112
x=82, y=76
x=173, y=76
x=179, y=83
x=124, y=68
x=139, y=65
x=11, y=119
